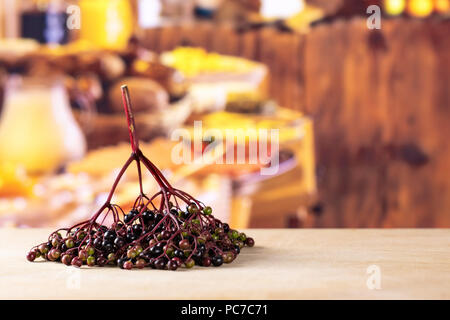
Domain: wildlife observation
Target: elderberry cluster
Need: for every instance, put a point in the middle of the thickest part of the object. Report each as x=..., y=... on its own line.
x=147, y=238
x=167, y=237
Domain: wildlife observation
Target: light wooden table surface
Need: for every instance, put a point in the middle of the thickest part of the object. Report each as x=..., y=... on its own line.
x=284, y=264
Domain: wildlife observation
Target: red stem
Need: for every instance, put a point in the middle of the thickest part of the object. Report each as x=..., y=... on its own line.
x=130, y=118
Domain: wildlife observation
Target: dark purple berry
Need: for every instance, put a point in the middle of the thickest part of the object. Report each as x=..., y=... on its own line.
x=217, y=261
x=31, y=256
x=250, y=242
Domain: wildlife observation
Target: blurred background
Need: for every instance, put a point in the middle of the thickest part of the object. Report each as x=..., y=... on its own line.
x=362, y=113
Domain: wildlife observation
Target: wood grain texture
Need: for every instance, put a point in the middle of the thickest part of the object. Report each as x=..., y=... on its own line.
x=380, y=101
x=284, y=264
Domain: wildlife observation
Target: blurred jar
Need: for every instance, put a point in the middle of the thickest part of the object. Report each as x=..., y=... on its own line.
x=106, y=23
x=44, y=21
x=37, y=128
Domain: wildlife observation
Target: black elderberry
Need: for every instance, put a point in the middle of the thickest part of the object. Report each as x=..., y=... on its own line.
x=97, y=243
x=147, y=216
x=160, y=263
x=179, y=254
x=201, y=247
x=109, y=235
x=131, y=237
x=151, y=263
x=107, y=246
x=121, y=261
x=119, y=242
x=145, y=255
x=137, y=229
x=197, y=254
x=156, y=251
x=172, y=265
x=128, y=217
x=217, y=261
x=165, y=234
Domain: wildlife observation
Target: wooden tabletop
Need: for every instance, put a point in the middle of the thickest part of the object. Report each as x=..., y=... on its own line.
x=284, y=264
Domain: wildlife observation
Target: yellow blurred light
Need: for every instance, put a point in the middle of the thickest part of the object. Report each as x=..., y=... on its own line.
x=106, y=23
x=442, y=6
x=420, y=8
x=394, y=7
x=13, y=180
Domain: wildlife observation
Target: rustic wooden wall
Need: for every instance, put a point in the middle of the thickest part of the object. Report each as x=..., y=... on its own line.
x=380, y=103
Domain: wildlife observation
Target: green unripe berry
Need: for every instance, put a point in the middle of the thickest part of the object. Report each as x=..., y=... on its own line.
x=111, y=257
x=90, y=261
x=201, y=240
x=90, y=251
x=189, y=263
x=170, y=252
x=207, y=210
x=192, y=209
x=81, y=235
x=70, y=243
